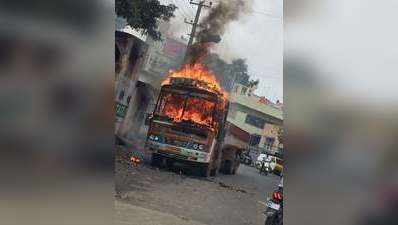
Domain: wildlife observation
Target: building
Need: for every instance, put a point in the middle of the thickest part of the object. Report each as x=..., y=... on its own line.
x=129, y=54
x=161, y=57
x=258, y=116
x=138, y=88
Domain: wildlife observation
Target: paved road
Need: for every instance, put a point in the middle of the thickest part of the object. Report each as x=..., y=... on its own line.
x=224, y=200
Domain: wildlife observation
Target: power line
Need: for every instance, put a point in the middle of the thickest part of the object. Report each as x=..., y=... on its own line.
x=187, y=12
x=264, y=13
x=182, y=9
x=194, y=24
x=267, y=14
x=192, y=10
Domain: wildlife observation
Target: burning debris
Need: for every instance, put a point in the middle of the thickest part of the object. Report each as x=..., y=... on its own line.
x=214, y=26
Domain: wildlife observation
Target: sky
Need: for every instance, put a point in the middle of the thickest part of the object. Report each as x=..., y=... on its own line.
x=350, y=44
x=256, y=36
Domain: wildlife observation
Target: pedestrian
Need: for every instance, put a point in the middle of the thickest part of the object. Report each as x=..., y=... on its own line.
x=262, y=167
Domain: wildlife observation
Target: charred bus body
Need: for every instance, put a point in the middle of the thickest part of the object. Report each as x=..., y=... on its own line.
x=187, y=126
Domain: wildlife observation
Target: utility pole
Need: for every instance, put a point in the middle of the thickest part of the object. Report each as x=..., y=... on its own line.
x=194, y=24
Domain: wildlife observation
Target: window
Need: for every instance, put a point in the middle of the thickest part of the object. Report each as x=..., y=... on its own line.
x=184, y=108
x=117, y=60
x=121, y=95
x=199, y=110
x=171, y=105
x=270, y=140
x=255, y=140
x=243, y=91
x=255, y=121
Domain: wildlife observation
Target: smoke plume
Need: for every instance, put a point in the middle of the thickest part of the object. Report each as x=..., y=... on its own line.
x=213, y=26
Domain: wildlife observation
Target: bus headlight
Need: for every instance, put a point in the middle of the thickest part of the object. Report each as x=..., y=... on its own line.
x=153, y=137
x=195, y=146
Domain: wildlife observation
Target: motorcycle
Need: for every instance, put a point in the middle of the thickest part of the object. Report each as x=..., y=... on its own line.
x=264, y=167
x=274, y=211
x=246, y=159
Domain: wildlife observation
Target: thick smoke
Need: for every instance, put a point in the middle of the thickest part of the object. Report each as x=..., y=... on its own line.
x=213, y=26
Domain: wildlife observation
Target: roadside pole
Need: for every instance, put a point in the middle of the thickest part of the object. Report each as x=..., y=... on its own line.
x=195, y=24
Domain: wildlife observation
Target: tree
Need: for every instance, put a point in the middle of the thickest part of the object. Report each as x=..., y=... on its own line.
x=220, y=68
x=230, y=73
x=253, y=83
x=144, y=15
x=239, y=71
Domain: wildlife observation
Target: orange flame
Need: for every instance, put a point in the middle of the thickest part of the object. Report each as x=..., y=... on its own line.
x=197, y=110
x=197, y=72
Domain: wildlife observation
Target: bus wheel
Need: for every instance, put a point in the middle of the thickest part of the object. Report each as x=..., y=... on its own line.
x=213, y=172
x=169, y=163
x=156, y=160
x=205, y=171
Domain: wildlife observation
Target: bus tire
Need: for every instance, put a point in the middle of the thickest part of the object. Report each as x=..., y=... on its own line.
x=205, y=170
x=156, y=160
x=213, y=172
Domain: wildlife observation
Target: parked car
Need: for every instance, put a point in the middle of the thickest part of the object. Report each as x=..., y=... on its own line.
x=246, y=159
x=273, y=162
x=278, y=168
x=260, y=159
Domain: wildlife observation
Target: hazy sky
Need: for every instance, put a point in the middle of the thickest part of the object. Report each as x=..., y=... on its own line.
x=257, y=36
x=351, y=47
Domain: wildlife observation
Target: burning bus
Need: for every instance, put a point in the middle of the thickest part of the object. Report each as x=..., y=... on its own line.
x=187, y=125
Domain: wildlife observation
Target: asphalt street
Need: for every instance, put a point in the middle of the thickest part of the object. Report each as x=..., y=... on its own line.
x=166, y=197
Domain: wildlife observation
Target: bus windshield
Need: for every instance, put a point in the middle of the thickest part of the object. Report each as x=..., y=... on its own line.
x=180, y=107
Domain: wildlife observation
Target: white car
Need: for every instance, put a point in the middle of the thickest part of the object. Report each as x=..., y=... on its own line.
x=270, y=161
x=263, y=158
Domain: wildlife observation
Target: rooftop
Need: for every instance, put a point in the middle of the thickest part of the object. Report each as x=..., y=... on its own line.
x=254, y=103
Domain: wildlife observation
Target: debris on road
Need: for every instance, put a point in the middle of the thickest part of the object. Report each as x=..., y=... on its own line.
x=230, y=187
x=186, y=198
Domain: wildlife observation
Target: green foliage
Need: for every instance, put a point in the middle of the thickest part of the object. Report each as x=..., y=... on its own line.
x=228, y=72
x=221, y=69
x=239, y=71
x=253, y=83
x=144, y=15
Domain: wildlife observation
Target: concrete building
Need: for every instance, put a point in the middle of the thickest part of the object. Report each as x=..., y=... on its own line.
x=141, y=65
x=257, y=116
x=137, y=90
x=129, y=55
x=162, y=56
